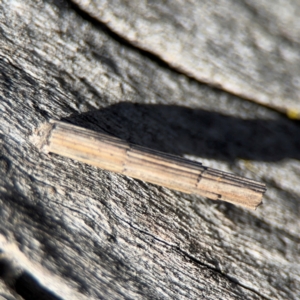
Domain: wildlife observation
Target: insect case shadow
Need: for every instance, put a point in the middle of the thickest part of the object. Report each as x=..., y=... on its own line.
x=180, y=130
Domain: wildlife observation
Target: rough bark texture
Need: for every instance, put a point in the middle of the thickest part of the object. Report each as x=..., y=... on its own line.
x=72, y=231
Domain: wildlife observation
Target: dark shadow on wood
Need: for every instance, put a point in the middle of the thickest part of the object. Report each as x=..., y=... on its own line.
x=180, y=130
x=23, y=283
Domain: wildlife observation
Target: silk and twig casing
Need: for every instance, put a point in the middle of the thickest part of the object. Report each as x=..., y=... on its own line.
x=113, y=154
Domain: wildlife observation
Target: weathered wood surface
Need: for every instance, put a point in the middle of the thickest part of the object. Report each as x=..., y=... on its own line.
x=248, y=48
x=72, y=231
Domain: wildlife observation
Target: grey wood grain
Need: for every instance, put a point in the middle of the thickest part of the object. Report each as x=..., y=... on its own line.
x=80, y=232
x=248, y=48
